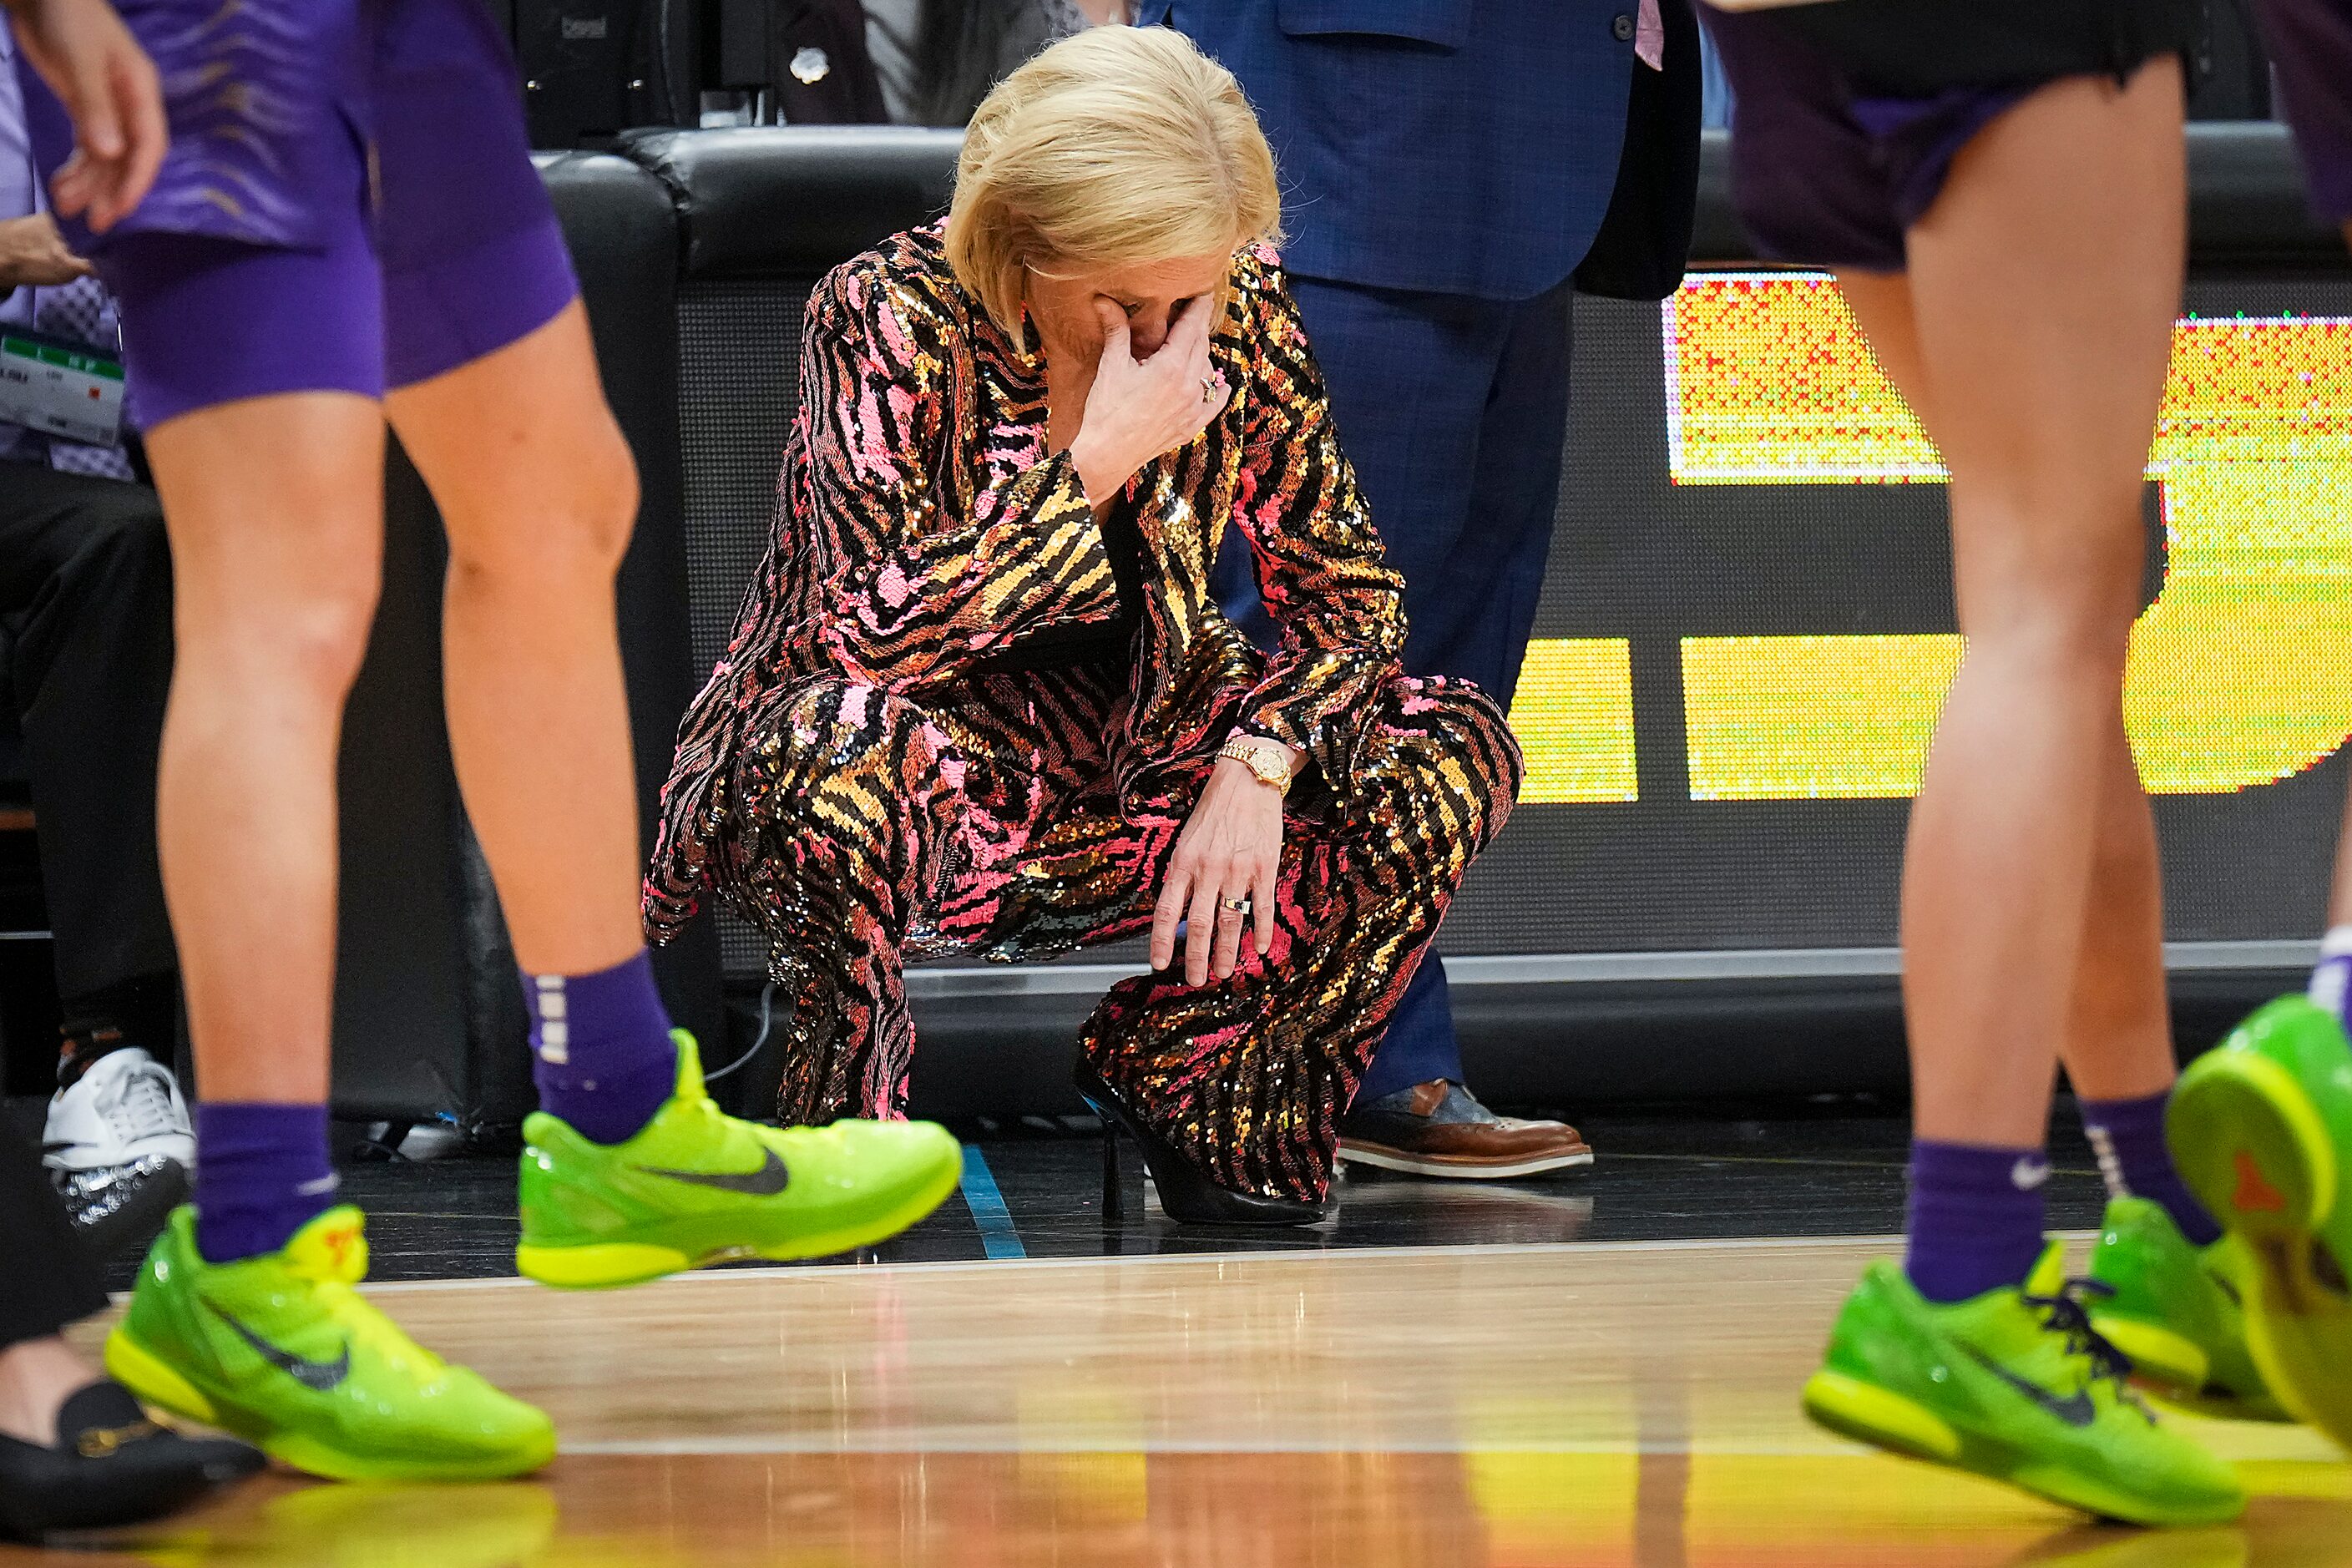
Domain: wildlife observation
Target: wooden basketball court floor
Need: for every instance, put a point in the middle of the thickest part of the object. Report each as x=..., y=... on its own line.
x=1538, y=1406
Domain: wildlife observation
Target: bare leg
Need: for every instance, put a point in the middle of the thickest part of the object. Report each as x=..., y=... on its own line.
x=2118, y=1043
x=2339, y=908
x=2118, y=1038
x=36, y=1377
x=539, y=493
x=274, y=509
x=2043, y=288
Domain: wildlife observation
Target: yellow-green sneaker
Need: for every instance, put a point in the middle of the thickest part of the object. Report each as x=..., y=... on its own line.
x=2177, y=1311
x=2261, y=1127
x=2013, y=1385
x=695, y=1186
x=281, y=1350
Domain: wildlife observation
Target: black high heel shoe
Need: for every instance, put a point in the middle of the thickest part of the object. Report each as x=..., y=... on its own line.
x=1187, y=1195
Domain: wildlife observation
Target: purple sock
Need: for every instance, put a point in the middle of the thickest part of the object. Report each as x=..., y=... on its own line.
x=600, y=1049
x=1976, y=1218
x=2332, y=979
x=261, y=1176
x=2127, y=1135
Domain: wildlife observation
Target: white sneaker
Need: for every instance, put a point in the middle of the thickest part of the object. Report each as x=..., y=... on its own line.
x=119, y=1147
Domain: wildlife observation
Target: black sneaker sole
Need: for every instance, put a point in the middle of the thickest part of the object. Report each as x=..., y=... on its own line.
x=137, y=1218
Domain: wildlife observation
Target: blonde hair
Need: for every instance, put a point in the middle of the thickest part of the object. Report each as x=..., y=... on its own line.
x=1115, y=146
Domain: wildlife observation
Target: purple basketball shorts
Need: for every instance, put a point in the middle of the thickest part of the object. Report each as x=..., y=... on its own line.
x=1825, y=177
x=364, y=216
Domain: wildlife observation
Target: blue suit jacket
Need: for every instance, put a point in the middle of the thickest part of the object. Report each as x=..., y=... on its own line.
x=1456, y=146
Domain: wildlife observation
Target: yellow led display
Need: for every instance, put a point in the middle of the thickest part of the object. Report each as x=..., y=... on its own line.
x=1841, y=718
x=1573, y=713
x=2240, y=672
x=1770, y=380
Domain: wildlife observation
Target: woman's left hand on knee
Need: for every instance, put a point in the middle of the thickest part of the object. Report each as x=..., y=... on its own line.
x=1221, y=881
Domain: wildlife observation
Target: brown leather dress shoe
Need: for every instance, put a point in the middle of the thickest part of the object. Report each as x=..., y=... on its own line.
x=1439, y=1128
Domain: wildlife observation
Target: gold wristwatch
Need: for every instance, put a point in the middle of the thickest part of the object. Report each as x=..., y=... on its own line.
x=1267, y=760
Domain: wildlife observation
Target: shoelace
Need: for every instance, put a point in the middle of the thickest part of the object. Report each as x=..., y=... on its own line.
x=142, y=1106
x=2067, y=1313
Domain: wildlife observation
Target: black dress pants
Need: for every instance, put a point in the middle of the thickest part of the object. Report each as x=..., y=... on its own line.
x=46, y=1279
x=86, y=625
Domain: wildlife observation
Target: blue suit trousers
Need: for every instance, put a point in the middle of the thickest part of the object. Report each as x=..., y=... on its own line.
x=1453, y=411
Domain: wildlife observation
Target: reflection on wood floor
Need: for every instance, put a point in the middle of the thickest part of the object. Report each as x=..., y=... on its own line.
x=1530, y=1406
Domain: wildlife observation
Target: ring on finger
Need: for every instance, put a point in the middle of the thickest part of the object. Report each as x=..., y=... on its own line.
x=1235, y=905
x=1208, y=389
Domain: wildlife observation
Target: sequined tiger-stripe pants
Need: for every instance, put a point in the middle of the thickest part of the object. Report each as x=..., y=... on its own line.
x=864, y=826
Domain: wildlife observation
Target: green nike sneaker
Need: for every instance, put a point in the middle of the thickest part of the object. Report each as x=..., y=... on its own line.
x=696, y=1186
x=2261, y=1127
x=2176, y=1310
x=2013, y=1385
x=281, y=1350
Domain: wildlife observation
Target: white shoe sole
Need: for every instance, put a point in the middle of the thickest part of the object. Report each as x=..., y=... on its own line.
x=1457, y=1170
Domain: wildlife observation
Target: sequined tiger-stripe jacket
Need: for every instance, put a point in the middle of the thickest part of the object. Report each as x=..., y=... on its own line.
x=922, y=529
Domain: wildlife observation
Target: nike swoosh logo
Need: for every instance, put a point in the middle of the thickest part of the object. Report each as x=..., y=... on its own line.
x=766, y=1181
x=319, y=1376
x=2029, y=1174
x=2075, y=1409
